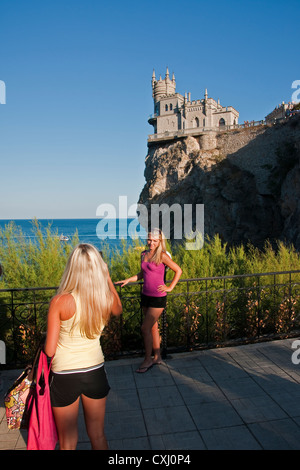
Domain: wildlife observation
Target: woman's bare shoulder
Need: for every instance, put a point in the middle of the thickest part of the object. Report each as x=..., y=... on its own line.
x=65, y=304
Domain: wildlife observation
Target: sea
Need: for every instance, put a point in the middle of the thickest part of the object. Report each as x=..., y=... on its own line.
x=111, y=233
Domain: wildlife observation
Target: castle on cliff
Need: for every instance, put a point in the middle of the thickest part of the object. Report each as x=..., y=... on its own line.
x=178, y=114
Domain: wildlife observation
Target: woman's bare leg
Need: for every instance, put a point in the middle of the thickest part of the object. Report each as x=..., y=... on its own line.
x=66, y=424
x=151, y=317
x=156, y=344
x=94, y=414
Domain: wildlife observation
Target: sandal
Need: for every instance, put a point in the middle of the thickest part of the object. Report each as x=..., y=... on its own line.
x=142, y=370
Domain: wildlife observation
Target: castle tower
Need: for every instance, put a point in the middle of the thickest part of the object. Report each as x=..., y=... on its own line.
x=164, y=87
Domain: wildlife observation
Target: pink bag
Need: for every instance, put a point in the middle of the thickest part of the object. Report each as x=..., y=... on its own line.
x=42, y=433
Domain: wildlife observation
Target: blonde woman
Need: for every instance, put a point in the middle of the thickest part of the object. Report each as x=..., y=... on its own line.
x=153, y=265
x=77, y=315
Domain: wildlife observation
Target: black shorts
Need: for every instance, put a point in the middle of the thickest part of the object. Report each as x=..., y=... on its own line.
x=156, y=302
x=65, y=388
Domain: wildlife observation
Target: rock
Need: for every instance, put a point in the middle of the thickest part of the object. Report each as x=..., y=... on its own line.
x=248, y=181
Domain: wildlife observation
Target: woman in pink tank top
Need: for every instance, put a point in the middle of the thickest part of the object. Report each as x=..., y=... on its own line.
x=153, y=265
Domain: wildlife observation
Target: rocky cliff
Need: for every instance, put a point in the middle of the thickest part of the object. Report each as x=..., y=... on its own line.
x=248, y=180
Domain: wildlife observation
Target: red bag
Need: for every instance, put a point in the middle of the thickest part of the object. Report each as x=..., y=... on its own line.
x=42, y=433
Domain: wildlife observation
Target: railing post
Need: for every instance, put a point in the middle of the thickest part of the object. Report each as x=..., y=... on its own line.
x=274, y=301
x=258, y=306
x=290, y=300
x=35, y=311
x=121, y=319
x=164, y=334
x=14, y=333
x=188, y=323
x=206, y=310
x=224, y=311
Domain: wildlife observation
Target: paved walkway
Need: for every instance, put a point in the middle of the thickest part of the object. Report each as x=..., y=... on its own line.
x=245, y=397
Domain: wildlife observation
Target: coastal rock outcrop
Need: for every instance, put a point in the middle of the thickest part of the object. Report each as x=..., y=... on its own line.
x=248, y=180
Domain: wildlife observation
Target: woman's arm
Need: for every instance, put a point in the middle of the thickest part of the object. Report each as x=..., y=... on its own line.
x=177, y=270
x=117, y=306
x=135, y=278
x=53, y=327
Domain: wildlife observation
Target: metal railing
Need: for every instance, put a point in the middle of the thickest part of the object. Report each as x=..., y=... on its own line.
x=200, y=313
x=23, y=321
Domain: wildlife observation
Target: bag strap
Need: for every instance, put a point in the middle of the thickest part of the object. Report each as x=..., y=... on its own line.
x=43, y=368
x=31, y=374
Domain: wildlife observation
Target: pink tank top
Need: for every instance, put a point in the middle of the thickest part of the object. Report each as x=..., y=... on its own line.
x=153, y=277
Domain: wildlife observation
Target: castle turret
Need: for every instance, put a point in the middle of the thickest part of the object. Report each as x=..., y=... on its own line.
x=164, y=87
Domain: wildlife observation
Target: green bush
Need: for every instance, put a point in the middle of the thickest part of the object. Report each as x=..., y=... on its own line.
x=198, y=311
x=40, y=261
x=37, y=262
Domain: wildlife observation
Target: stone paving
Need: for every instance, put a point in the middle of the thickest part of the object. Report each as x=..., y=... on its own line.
x=245, y=397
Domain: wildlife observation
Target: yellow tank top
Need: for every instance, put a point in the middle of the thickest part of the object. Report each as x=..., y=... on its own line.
x=75, y=351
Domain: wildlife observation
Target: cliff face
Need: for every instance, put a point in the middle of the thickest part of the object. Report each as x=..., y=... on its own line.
x=247, y=179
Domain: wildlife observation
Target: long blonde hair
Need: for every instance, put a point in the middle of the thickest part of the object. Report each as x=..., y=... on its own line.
x=158, y=234
x=86, y=276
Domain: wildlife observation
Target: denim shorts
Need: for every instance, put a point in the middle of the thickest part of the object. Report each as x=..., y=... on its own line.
x=66, y=387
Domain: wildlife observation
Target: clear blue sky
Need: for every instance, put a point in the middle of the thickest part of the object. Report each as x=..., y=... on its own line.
x=73, y=131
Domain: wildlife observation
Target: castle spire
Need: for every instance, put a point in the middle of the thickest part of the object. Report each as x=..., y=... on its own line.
x=153, y=78
x=167, y=73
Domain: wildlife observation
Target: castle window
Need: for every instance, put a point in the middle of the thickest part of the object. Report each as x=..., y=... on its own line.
x=166, y=108
x=222, y=122
x=171, y=107
x=195, y=122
